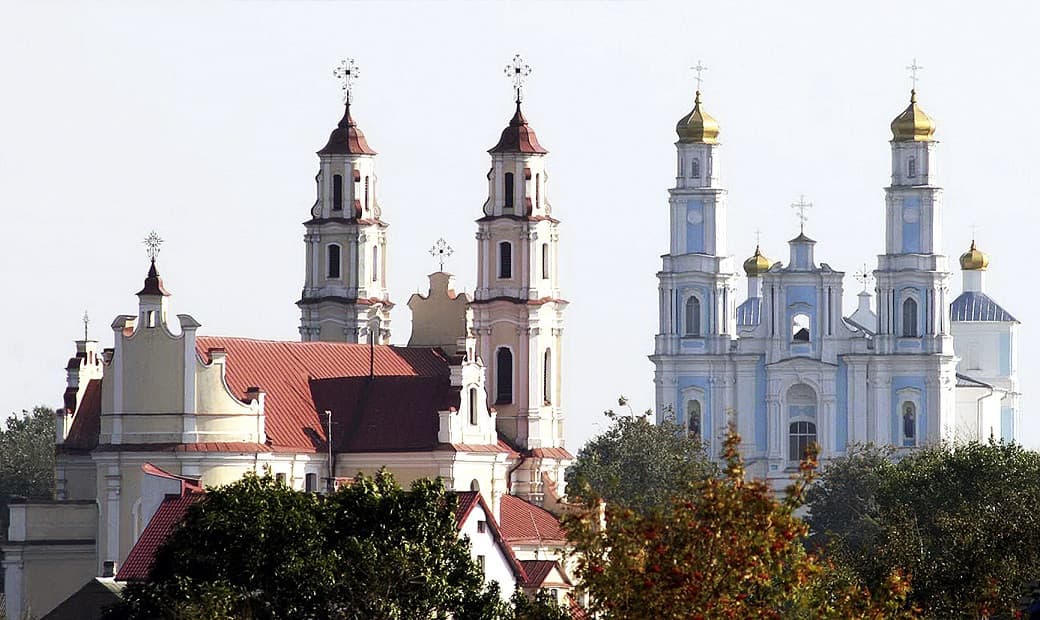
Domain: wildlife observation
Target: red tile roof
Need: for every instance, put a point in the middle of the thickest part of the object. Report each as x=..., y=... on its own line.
x=518, y=137
x=346, y=138
x=523, y=522
x=468, y=500
x=552, y=453
x=577, y=611
x=536, y=571
x=302, y=378
x=240, y=447
x=170, y=513
x=86, y=423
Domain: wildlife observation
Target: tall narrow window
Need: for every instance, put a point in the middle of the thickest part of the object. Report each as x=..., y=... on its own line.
x=801, y=328
x=311, y=483
x=545, y=261
x=337, y=192
x=538, y=191
x=504, y=376
x=909, y=318
x=332, y=260
x=911, y=167
x=505, y=260
x=547, y=376
x=375, y=263
x=802, y=435
x=366, y=194
x=909, y=424
x=693, y=317
x=693, y=418
x=473, y=406
x=508, y=190
x=695, y=169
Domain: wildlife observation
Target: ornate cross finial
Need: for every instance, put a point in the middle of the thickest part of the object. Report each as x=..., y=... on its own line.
x=347, y=72
x=864, y=277
x=517, y=71
x=153, y=243
x=758, y=237
x=699, y=68
x=441, y=251
x=974, y=232
x=801, y=207
x=86, y=325
x=913, y=68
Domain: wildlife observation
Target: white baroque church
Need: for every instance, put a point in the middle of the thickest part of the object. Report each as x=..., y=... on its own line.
x=787, y=365
x=474, y=398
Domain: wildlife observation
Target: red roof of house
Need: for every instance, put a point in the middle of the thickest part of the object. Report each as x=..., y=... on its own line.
x=469, y=500
x=536, y=571
x=577, y=611
x=523, y=522
x=395, y=409
x=86, y=422
x=518, y=137
x=170, y=513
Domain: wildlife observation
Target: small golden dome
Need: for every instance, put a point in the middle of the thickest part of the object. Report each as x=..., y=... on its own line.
x=913, y=125
x=698, y=126
x=974, y=260
x=757, y=264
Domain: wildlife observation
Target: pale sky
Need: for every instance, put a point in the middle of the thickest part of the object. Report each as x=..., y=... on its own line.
x=201, y=121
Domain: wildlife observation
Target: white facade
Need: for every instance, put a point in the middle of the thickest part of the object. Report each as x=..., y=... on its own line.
x=788, y=366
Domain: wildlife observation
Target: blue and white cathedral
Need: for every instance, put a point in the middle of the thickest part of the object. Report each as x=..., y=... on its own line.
x=787, y=365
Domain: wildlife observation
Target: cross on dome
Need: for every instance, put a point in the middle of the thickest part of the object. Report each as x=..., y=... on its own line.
x=801, y=207
x=699, y=68
x=153, y=243
x=517, y=71
x=441, y=251
x=346, y=72
x=86, y=325
x=864, y=277
x=913, y=68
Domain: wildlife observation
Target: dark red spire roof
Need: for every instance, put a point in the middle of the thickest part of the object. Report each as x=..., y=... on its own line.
x=346, y=138
x=518, y=137
x=153, y=283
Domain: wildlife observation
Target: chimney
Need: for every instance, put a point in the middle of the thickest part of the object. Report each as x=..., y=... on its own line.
x=108, y=569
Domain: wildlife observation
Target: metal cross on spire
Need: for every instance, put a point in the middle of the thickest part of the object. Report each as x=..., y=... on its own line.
x=699, y=68
x=864, y=277
x=346, y=72
x=517, y=71
x=441, y=251
x=86, y=325
x=801, y=207
x=974, y=232
x=913, y=68
x=153, y=242
x=758, y=237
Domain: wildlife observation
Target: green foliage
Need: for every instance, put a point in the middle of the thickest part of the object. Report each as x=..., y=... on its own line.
x=258, y=549
x=638, y=464
x=540, y=607
x=961, y=520
x=26, y=458
x=727, y=548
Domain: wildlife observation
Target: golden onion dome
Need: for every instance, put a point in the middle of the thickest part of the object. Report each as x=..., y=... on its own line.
x=913, y=125
x=974, y=260
x=698, y=126
x=757, y=264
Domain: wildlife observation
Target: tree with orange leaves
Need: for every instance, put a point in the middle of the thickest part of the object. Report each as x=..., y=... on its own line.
x=726, y=547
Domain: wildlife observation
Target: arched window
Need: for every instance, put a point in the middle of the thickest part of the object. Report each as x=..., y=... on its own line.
x=802, y=435
x=547, y=376
x=375, y=263
x=366, y=193
x=693, y=418
x=801, y=328
x=695, y=169
x=504, y=376
x=505, y=260
x=332, y=261
x=909, y=424
x=693, y=317
x=473, y=406
x=545, y=261
x=911, y=167
x=909, y=318
x=337, y=192
x=508, y=191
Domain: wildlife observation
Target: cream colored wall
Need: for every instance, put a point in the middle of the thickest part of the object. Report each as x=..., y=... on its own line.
x=53, y=574
x=438, y=319
x=76, y=477
x=153, y=372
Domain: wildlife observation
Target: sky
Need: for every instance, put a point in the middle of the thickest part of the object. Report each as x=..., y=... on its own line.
x=201, y=121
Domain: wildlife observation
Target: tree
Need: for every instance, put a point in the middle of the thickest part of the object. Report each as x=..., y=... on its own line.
x=724, y=548
x=961, y=520
x=26, y=458
x=258, y=549
x=638, y=464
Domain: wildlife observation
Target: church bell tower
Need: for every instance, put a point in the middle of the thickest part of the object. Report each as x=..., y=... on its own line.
x=345, y=296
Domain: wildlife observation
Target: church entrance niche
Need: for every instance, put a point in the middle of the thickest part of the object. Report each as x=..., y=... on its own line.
x=801, y=417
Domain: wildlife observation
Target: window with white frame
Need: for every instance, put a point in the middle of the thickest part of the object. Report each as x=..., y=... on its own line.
x=909, y=317
x=473, y=406
x=693, y=317
x=333, y=261
x=505, y=260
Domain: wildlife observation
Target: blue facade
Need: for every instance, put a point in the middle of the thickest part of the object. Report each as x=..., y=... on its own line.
x=694, y=226
x=761, y=415
x=911, y=225
x=841, y=421
x=902, y=383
